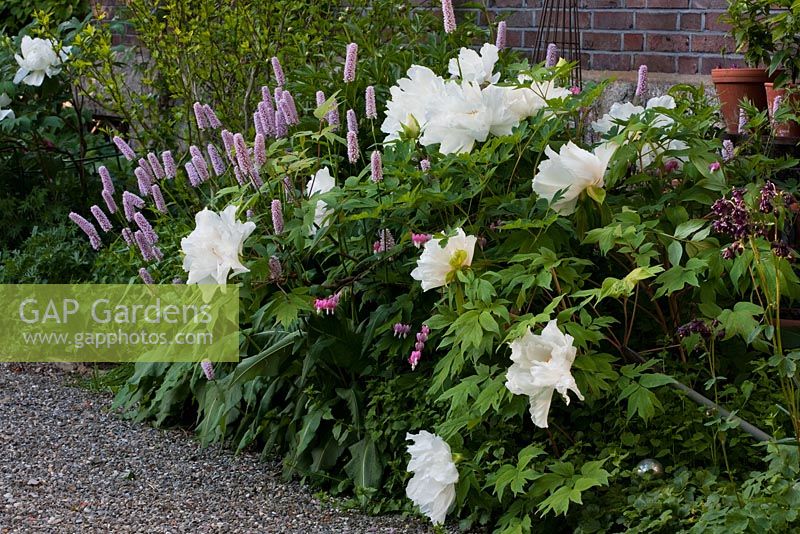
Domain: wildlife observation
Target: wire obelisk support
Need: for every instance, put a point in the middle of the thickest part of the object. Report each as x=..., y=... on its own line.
x=559, y=24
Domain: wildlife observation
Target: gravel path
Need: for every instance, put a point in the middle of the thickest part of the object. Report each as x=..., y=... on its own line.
x=68, y=465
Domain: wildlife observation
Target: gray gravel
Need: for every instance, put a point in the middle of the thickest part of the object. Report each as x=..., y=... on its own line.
x=69, y=465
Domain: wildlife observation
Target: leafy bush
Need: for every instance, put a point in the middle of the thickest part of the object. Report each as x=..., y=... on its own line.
x=55, y=255
x=618, y=275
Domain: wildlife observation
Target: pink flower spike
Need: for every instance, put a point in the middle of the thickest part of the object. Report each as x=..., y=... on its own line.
x=155, y=164
x=266, y=98
x=170, y=169
x=158, y=198
x=143, y=180
x=370, y=109
x=213, y=121
x=352, y=121
x=259, y=151
x=352, y=147
x=216, y=160
x=124, y=148
x=280, y=79
x=350, y=63
x=208, y=369
x=200, y=116
x=448, y=16
x=100, y=217
x=376, y=166
x=500, y=42
x=110, y=203
x=641, y=82
x=277, y=216
x=130, y=203
x=88, y=228
x=105, y=179
x=551, y=59
x=144, y=274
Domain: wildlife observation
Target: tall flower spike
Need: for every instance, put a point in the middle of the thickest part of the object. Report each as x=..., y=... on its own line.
x=88, y=228
x=145, y=227
x=109, y=198
x=170, y=169
x=194, y=152
x=287, y=101
x=776, y=104
x=145, y=246
x=238, y=174
x=158, y=198
x=242, y=154
x=145, y=165
x=277, y=96
x=742, y=121
x=371, y=110
x=448, y=16
x=105, y=179
x=333, y=116
x=144, y=274
x=641, y=82
x=227, y=142
x=255, y=177
x=130, y=203
x=350, y=63
x=277, y=216
x=258, y=123
x=267, y=119
x=143, y=180
x=100, y=217
x=551, y=59
x=320, y=98
x=266, y=97
x=280, y=79
x=127, y=235
x=281, y=126
x=376, y=166
x=155, y=164
x=124, y=148
x=191, y=172
x=259, y=151
x=425, y=165
x=352, y=147
x=200, y=116
x=213, y=120
x=216, y=160
x=500, y=42
x=208, y=369
x=201, y=167
x=352, y=121
x=727, y=150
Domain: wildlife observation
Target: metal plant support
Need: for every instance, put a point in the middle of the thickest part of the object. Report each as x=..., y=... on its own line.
x=559, y=24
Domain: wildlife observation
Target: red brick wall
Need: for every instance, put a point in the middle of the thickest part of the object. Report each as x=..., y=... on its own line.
x=677, y=36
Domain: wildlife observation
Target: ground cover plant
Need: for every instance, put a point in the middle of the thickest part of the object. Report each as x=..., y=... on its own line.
x=462, y=294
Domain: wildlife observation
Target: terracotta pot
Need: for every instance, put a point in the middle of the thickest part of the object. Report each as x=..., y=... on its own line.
x=735, y=84
x=784, y=129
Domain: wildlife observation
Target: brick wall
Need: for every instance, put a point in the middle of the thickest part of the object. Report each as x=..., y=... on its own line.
x=673, y=36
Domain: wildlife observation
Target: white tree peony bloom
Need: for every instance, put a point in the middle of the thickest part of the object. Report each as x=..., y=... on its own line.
x=413, y=100
x=39, y=58
x=542, y=365
x=534, y=97
x=432, y=487
x=320, y=183
x=437, y=265
x=624, y=111
x=213, y=248
x=573, y=170
x=473, y=67
x=5, y=113
x=461, y=120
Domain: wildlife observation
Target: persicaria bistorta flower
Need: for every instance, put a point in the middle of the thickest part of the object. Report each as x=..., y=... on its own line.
x=208, y=369
x=500, y=42
x=438, y=264
x=275, y=269
x=280, y=79
x=350, y=61
x=259, y=151
x=542, y=365
x=109, y=198
x=214, y=247
x=371, y=109
x=158, y=198
x=130, y=203
x=376, y=167
x=170, y=170
x=88, y=228
x=124, y=148
x=100, y=217
x=352, y=147
x=200, y=116
x=572, y=171
x=146, y=277
x=448, y=16
x=155, y=165
x=216, y=160
x=425, y=165
x=742, y=127
x=144, y=226
x=105, y=179
x=277, y=216
x=352, y=121
x=213, y=120
x=551, y=58
x=433, y=486
x=727, y=150
x=641, y=82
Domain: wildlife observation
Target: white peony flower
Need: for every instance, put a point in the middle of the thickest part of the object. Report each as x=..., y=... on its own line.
x=5, y=113
x=213, y=248
x=413, y=100
x=320, y=183
x=622, y=112
x=39, y=58
x=473, y=67
x=461, y=119
x=542, y=365
x=573, y=170
x=504, y=108
x=432, y=487
x=534, y=97
x=437, y=264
